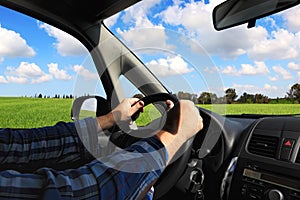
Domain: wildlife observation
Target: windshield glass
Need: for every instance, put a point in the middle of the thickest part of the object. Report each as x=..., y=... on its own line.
x=239, y=70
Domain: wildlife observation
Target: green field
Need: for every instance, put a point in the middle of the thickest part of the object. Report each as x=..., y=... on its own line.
x=35, y=112
x=272, y=109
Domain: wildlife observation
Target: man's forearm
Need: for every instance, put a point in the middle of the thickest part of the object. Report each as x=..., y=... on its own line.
x=126, y=174
x=32, y=148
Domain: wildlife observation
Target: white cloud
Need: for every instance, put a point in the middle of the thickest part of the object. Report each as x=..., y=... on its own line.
x=267, y=89
x=211, y=70
x=259, y=68
x=26, y=70
x=33, y=74
x=26, y=73
x=58, y=73
x=230, y=70
x=13, y=45
x=257, y=42
x=292, y=16
x=273, y=78
x=153, y=37
x=169, y=67
x=66, y=44
x=281, y=44
x=3, y=79
x=270, y=87
x=251, y=89
x=286, y=75
x=41, y=79
x=15, y=79
x=294, y=66
x=196, y=18
x=85, y=73
x=142, y=32
x=138, y=14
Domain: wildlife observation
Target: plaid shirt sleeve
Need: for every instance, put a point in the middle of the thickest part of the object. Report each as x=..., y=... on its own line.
x=30, y=149
x=99, y=179
x=122, y=175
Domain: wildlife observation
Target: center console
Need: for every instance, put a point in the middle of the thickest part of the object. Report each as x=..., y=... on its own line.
x=268, y=166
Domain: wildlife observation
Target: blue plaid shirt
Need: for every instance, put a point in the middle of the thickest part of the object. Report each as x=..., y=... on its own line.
x=52, y=163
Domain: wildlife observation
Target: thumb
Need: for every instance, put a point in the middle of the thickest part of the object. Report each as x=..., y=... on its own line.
x=173, y=119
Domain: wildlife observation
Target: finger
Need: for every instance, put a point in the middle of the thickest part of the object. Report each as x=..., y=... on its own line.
x=133, y=101
x=173, y=118
x=136, y=109
x=137, y=106
x=170, y=104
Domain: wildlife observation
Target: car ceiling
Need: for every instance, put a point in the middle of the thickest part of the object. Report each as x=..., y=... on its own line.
x=73, y=16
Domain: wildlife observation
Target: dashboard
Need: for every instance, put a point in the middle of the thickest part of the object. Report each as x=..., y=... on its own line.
x=268, y=164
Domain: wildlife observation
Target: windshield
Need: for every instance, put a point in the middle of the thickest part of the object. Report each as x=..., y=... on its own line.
x=236, y=71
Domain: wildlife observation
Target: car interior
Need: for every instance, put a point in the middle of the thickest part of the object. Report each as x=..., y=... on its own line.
x=234, y=157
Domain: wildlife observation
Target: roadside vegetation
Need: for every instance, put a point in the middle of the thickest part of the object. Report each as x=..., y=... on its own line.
x=41, y=110
x=230, y=97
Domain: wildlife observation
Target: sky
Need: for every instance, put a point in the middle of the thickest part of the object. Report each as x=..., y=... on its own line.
x=175, y=39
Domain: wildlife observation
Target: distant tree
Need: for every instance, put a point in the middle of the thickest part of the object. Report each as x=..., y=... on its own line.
x=250, y=98
x=187, y=96
x=194, y=98
x=207, y=98
x=259, y=98
x=40, y=96
x=71, y=96
x=294, y=93
x=230, y=95
x=184, y=95
x=246, y=98
x=220, y=100
x=278, y=100
x=139, y=96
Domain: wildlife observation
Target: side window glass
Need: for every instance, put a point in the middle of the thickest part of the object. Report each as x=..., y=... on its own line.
x=42, y=69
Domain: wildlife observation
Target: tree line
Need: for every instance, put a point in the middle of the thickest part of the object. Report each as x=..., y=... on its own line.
x=230, y=97
x=56, y=96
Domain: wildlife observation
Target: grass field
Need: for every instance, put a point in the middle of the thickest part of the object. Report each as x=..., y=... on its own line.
x=34, y=112
x=272, y=109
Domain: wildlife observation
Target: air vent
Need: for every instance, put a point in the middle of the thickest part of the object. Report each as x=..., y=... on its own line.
x=263, y=145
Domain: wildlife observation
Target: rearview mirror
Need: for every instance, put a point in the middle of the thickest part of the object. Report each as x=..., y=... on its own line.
x=236, y=12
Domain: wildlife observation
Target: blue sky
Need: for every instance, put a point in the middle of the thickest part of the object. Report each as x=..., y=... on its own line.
x=175, y=39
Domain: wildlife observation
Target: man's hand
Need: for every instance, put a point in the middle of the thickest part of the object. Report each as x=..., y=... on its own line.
x=120, y=114
x=183, y=122
x=124, y=111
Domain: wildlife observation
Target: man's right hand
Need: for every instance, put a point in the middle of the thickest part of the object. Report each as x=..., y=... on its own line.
x=183, y=122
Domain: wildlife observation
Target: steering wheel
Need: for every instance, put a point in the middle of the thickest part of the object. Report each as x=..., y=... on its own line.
x=173, y=172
